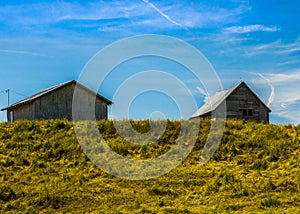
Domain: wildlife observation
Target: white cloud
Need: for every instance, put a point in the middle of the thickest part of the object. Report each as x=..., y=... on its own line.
x=279, y=46
x=291, y=76
x=289, y=62
x=290, y=50
x=21, y=52
x=250, y=28
x=201, y=91
x=267, y=45
x=286, y=101
x=137, y=13
x=274, y=49
x=207, y=15
x=283, y=105
x=102, y=10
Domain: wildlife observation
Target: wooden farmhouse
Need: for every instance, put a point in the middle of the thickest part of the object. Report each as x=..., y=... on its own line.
x=55, y=103
x=240, y=101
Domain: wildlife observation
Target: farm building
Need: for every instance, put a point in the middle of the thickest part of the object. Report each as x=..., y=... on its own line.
x=56, y=103
x=240, y=102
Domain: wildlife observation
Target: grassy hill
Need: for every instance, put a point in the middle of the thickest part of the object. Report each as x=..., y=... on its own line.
x=43, y=169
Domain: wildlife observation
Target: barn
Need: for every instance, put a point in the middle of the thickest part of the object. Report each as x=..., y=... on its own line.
x=56, y=103
x=240, y=102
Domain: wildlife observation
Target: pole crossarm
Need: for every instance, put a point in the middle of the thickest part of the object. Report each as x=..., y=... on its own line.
x=8, y=95
x=9, y=91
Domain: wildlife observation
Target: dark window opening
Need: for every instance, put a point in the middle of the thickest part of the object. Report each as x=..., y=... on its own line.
x=250, y=113
x=247, y=112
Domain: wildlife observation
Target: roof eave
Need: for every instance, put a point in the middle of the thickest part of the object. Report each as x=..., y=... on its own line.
x=20, y=103
x=267, y=107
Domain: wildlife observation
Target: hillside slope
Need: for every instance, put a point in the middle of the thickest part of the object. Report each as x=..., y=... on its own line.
x=43, y=169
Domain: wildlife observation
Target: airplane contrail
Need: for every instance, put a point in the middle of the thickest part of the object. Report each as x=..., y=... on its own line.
x=272, y=94
x=163, y=14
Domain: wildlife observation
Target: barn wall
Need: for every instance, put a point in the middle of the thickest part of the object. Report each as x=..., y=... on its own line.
x=25, y=112
x=58, y=105
x=100, y=109
x=242, y=100
x=91, y=102
x=55, y=105
x=264, y=114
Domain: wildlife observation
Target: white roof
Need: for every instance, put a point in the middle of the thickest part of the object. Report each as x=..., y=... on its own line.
x=213, y=102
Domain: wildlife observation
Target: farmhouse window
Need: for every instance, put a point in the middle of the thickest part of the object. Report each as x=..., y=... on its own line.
x=247, y=112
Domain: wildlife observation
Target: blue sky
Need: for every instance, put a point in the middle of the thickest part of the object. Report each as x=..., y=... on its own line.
x=43, y=43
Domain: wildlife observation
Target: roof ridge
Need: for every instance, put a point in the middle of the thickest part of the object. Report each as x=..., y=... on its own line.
x=50, y=89
x=215, y=100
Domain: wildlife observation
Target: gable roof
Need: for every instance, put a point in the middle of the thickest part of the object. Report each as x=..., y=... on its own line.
x=52, y=89
x=219, y=97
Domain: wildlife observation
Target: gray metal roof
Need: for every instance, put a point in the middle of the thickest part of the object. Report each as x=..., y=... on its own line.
x=213, y=102
x=49, y=90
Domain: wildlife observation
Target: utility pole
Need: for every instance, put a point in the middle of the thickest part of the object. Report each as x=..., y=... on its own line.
x=8, y=101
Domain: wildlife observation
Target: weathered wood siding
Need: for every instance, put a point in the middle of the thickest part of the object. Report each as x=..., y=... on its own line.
x=237, y=102
x=57, y=105
x=22, y=113
x=242, y=103
x=89, y=100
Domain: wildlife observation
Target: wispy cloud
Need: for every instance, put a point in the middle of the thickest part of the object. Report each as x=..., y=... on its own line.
x=285, y=102
x=250, y=29
x=21, y=52
x=267, y=45
x=274, y=48
x=163, y=14
x=280, y=46
x=201, y=91
x=290, y=76
x=289, y=62
x=290, y=50
x=139, y=14
x=199, y=15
